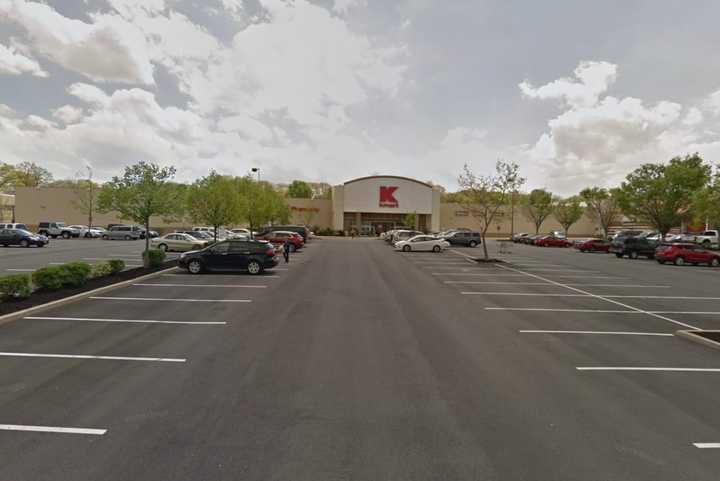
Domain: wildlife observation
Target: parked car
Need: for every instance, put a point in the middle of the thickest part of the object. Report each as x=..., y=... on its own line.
x=422, y=243
x=519, y=236
x=401, y=235
x=178, y=242
x=231, y=255
x=626, y=233
x=464, y=238
x=593, y=245
x=633, y=247
x=14, y=226
x=279, y=238
x=87, y=232
x=22, y=238
x=680, y=253
x=708, y=238
x=242, y=231
x=122, y=232
x=57, y=229
x=203, y=236
x=300, y=229
x=552, y=241
x=530, y=239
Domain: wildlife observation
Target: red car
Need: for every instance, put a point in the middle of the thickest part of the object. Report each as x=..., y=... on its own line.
x=278, y=238
x=550, y=241
x=593, y=245
x=680, y=253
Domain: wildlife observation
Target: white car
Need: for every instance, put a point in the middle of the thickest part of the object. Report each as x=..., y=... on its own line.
x=422, y=243
x=242, y=232
x=83, y=231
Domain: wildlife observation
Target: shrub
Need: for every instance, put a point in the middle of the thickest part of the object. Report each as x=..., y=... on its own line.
x=116, y=265
x=154, y=257
x=101, y=269
x=50, y=277
x=16, y=286
x=75, y=274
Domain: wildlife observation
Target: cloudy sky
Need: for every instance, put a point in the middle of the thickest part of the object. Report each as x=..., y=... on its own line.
x=577, y=93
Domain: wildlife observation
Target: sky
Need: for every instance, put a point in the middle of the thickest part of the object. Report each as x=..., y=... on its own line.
x=577, y=93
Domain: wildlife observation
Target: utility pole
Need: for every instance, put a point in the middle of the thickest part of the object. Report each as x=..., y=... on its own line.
x=91, y=200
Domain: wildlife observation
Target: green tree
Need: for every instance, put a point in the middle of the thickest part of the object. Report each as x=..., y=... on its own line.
x=260, y=203
x=538, y=206
x=661, y=194
x=143, y=191
x=410, y=219
x=24, y=174
x=213, y=200
x=706, y=203
x=602, y=206
x=568, y=211
x=299, y=190
x=485, y=195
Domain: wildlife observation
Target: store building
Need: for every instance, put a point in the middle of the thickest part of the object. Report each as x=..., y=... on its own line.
x=374, y=204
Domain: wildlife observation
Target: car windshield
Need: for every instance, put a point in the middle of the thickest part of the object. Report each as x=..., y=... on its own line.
x=24, y=232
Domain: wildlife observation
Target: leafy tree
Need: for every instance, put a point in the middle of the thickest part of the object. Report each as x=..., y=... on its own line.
x=213, y=200
x=661, y=194
x=86, y=196
x=143, y=191
x=602, y=206
x=410, y=219
x=299, y=190
x=706, y=203
x=24, y=174
x=538, y=206
x=260, y=203
x=485, y=195
x=568, y=211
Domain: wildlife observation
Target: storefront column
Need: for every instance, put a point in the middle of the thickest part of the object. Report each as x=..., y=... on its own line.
x=358, y=222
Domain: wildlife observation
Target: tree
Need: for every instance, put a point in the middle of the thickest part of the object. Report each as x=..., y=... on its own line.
x=213, y=200
x=24, y=174
x=602, y=206
x=568, y=211
x=143, y=191
x=86, y=192
x=661, y=194
x=260, y=203
x=484, y=195
x=706, y=203
x=410, y=219
x=299, y=190
x=538, y=206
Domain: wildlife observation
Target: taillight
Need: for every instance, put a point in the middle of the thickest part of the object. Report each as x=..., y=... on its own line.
x=270, y=252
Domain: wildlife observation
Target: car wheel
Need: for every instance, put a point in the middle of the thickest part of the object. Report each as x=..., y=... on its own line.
x=706, y=243
x=127, y=237
x=24, y=243
x=65, y=235
x=633, y=255
x=54, y=236
x=436, y=249
x=679, y=261
x=105, y=237
x=714, y=262
x=195, y=267
x=618, y=255
x=406, y=248
x=163, y=247
x=87, y=235
x=473, y=244
x=254, y=267
x=583, y=250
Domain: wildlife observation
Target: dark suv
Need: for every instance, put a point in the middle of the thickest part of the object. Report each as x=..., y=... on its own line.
x=634, y=246
x=464, y=238
x=300, y=229
x=231, y=255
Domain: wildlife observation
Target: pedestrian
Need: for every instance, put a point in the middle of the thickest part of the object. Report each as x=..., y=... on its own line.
x=286, y=250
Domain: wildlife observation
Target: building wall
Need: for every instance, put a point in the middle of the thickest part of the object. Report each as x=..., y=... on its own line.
x=311, y=212
x=7, y=202
x=454, y=215
x=364, y=196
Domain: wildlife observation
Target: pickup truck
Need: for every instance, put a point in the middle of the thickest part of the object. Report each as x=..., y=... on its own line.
x=633, y=247
x=708, y=238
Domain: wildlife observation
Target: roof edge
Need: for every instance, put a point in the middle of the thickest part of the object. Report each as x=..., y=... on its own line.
x=389, y=177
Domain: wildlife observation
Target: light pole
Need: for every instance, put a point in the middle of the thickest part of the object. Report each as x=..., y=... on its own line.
x=257, y=170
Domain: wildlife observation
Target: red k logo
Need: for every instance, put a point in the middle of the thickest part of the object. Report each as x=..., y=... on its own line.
x=387, y=199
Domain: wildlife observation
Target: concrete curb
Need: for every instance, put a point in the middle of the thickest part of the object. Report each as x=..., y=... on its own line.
x=13, y=316
x=692, y=337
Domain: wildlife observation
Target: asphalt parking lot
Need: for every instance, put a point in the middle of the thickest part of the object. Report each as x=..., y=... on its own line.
x=59, y=251
x=358, y=362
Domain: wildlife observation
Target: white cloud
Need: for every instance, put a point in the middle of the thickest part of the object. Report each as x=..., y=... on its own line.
x=14, y=63
x=694, y=116
x=591, y=80
x=88, y=93
x=68, y=114
x=713, y=102
x=344, y=6
x=97, y=50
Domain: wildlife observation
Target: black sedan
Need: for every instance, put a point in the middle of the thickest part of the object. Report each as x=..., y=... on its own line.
x=230, y=255
x=22, y=238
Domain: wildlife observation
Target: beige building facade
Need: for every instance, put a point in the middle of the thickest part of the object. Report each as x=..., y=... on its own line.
x=368, y=205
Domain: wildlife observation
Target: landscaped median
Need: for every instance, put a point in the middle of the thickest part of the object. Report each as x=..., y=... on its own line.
x=52, y=283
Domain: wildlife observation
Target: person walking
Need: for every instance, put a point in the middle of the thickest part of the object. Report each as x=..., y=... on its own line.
x=286, y=250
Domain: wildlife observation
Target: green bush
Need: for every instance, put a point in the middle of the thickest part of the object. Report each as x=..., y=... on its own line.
x=101, y=269
x=116, y=265
x=16, y=286
x=154, y=257
x=76, y=274
x=50, y=278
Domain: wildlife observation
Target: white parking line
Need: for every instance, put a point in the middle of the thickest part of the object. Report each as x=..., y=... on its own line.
x=614, y=333
x=165, y=299
x=97, y=258
x=219, y=276
x=85, y=356
x=529, y=294
x=632, y=368
x=601, y=311
x=20, y=270
x=202, y=285
x=701, y=298
x=707, y=445
x=132, y=321
x=545, y=284
x=473, y=274
x=52, y=429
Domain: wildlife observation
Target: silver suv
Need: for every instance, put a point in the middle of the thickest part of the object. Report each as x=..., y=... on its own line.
x=122, y=232
x=57, y=229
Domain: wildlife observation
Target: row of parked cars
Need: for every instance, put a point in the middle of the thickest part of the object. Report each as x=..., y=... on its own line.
x=412, y=240
x=678, y=249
